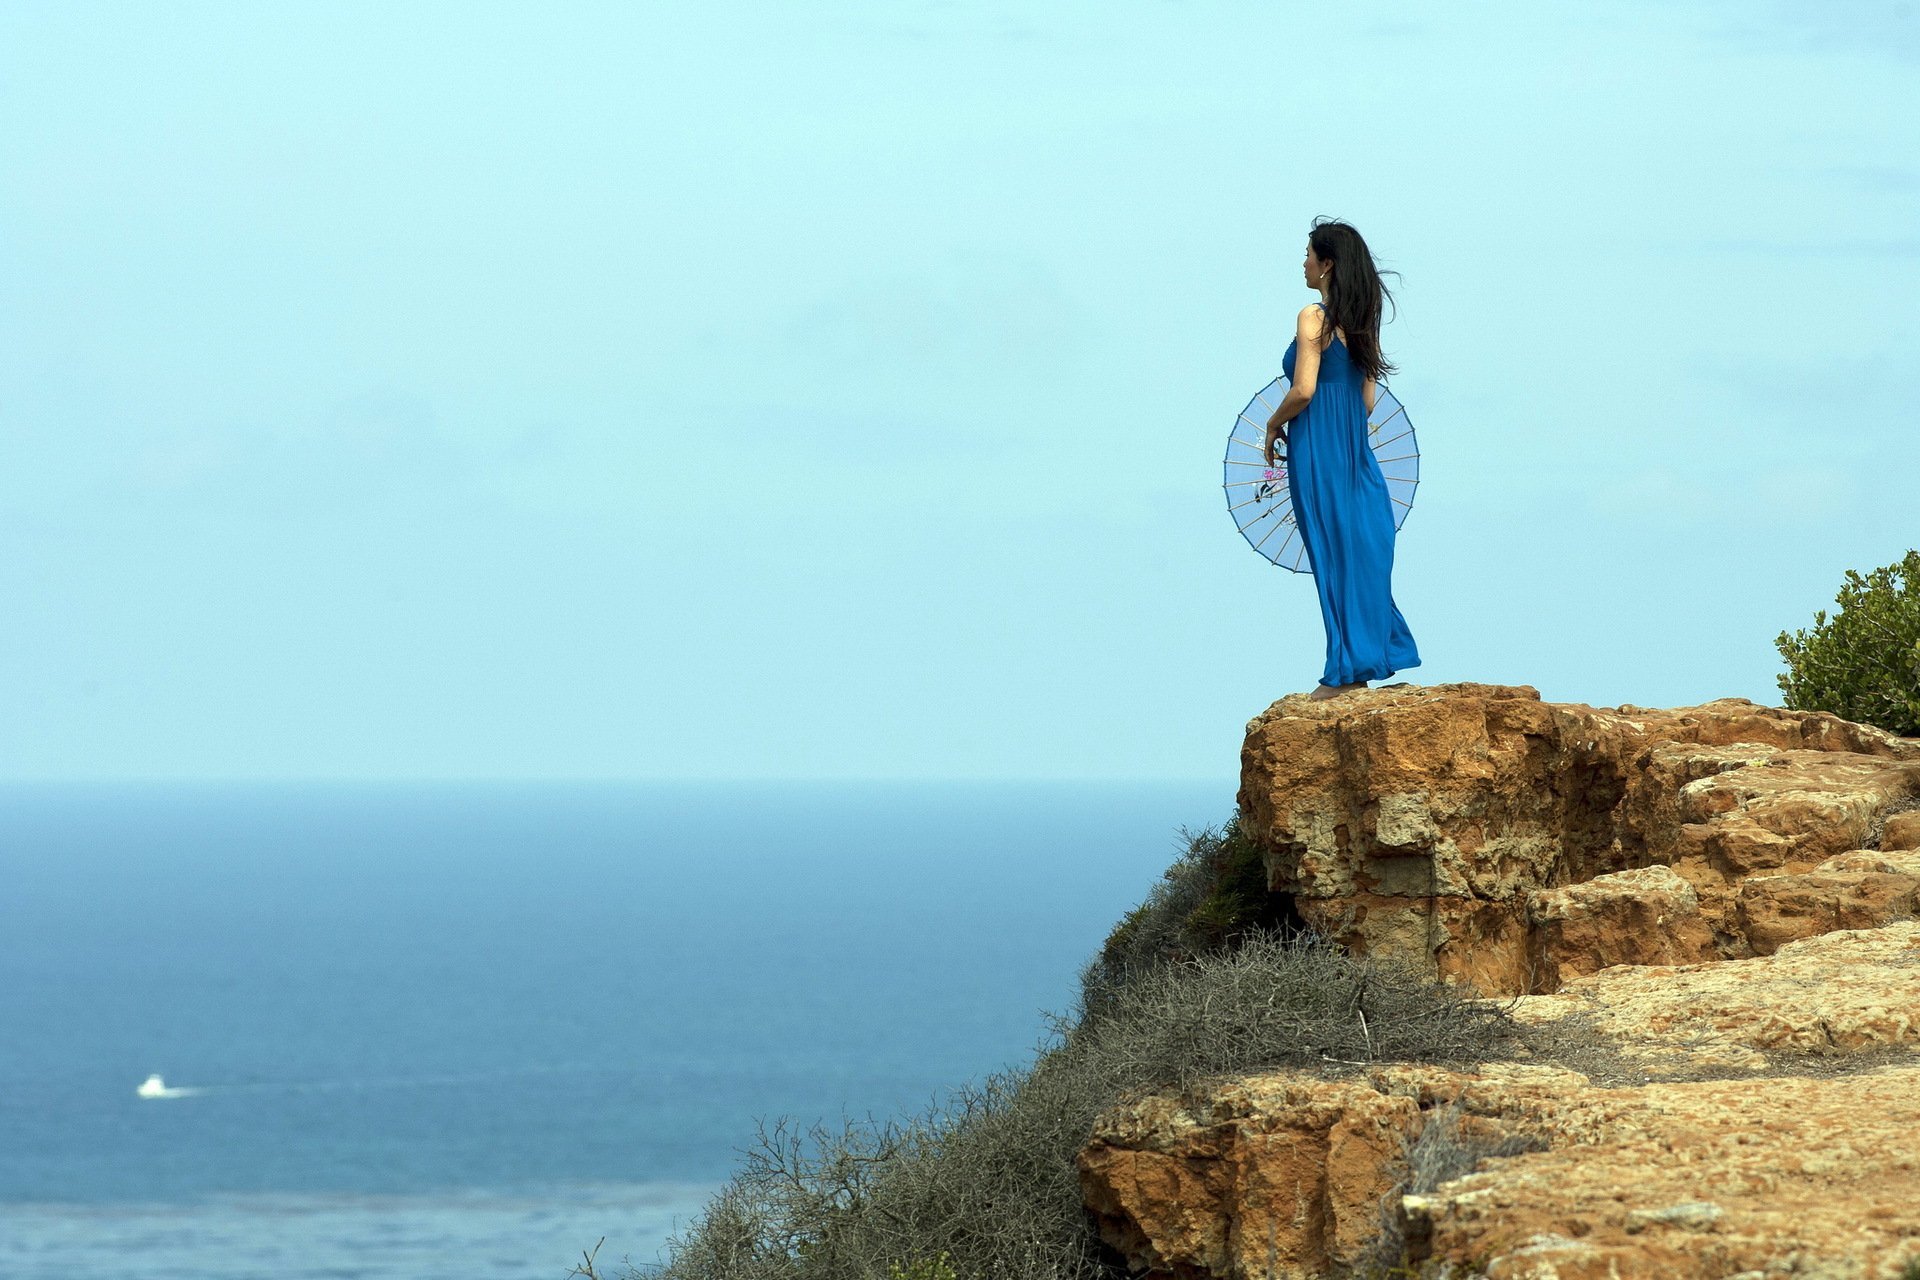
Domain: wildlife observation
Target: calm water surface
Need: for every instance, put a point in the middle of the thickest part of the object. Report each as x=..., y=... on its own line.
x=467, y=1030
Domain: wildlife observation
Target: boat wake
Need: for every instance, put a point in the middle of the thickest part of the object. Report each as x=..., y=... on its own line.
x=154, y=1087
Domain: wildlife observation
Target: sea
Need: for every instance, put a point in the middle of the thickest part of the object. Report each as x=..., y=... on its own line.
x=492, y=1030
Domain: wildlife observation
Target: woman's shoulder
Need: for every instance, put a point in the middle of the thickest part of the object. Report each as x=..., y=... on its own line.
x=1311, y=315
x=1312, y=321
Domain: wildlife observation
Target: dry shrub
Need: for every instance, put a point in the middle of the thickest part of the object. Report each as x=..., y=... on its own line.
x=984, y=1184
x=1445, y=1150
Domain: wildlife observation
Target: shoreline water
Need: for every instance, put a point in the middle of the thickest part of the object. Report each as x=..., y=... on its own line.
x=413, y=1014
x=469, y=1232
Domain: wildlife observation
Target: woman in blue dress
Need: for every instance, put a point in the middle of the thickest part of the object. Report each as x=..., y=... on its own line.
x=1340, y=501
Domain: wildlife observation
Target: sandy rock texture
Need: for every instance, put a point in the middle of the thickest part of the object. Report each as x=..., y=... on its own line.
x=1288, y=1177
x=1785, y=1176
x=1703, y=915
x=1514, y=844
x=1852, y=992
x=1276, y=1175
x=1765, y=1168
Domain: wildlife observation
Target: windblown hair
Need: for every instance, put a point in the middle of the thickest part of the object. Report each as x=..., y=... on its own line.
x=1353, y=297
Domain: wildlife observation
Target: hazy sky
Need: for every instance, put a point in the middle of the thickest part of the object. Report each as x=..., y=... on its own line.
x=840, y=390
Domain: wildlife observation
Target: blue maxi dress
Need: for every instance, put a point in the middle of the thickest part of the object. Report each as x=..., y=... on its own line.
x=1341, y=507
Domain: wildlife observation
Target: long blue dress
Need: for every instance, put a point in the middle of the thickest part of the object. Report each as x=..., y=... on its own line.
x=1345, y=517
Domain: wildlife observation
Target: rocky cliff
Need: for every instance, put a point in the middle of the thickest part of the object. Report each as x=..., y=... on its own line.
x=1706, y=914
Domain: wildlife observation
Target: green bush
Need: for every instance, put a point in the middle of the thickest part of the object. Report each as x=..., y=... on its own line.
x=1863, y=664
x=983, y=1186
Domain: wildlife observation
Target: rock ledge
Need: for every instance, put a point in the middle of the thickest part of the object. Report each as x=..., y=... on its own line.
x=1720, y=898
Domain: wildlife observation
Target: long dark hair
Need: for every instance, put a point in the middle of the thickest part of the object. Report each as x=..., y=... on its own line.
x=1353, y=296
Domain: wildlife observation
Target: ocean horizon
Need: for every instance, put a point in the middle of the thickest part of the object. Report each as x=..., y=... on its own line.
x=469, y=1029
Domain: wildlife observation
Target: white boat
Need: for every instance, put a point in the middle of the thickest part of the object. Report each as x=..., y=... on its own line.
x=153, y=1087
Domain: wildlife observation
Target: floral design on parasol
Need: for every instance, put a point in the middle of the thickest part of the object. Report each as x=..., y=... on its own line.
x=1258, y=496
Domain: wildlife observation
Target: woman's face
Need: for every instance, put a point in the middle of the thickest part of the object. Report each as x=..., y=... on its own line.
x=1314, y=268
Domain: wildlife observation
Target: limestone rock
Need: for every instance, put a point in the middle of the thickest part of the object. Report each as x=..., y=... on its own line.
x=1712, y=905
x=1446, y=825
x=1277, y=1175
x=1847, y=992
x=1696, y=1180
x=1902, y=831
x=1857, y=890
x=1648, y=916
x=1283, y=1176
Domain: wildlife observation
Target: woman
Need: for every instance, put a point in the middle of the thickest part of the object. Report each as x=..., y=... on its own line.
x=1340, y=501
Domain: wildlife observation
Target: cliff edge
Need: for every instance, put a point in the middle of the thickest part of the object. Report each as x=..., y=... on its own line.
x=1705, y=914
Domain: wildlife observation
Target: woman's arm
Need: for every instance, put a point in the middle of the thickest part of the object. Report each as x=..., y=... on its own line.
x=1288, y=409
x=1368, y=395
x=1306, y=375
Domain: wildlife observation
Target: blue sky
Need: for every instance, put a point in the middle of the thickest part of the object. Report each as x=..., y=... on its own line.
x=730, y=390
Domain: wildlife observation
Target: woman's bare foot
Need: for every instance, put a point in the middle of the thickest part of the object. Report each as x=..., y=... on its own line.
x=1322, y=692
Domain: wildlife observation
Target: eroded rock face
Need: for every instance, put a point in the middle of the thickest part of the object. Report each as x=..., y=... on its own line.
x=1902, y=831
x=1289, y=1175
x=1856, y=890
x=1515, y=844
x=1274, y=1175
x=1648, y=916
x=1800, y=1176
x=1284, y=1177
x=1838, y=993
x=1713, y=909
